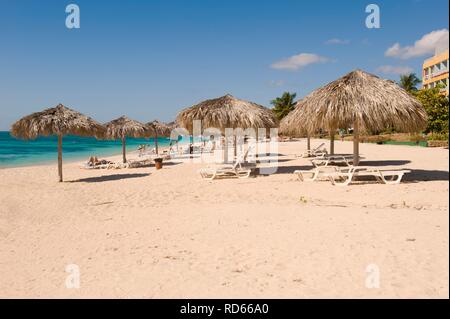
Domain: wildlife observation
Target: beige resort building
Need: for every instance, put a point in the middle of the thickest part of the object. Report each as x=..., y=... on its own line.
x=435, y=71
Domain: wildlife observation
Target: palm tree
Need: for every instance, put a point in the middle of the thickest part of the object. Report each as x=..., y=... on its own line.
x=284, y=104
x=409, y=82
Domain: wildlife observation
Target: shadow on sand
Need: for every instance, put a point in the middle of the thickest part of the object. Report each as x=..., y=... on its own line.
x=273, y=161
x=384, y=163
x=420, y=175
x=416, y=175
x=286, y=169
x=108, y=178
x=260, y=155
x=153, y=165
x=169, y=163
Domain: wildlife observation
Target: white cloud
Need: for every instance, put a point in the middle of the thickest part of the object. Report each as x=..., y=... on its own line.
x=337, y=41
x=298, y=61
x=398, y=70
x=427, y=45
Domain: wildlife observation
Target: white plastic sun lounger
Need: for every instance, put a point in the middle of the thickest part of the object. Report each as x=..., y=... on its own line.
x=96, y=166
x=317, y=151
x=238, y=169
x=224, y=172
x=139, y=163
x=317, y=173
x=145, y=160
x=112, y=165
x=118, y=165
x=344, y=178
x=333, y=159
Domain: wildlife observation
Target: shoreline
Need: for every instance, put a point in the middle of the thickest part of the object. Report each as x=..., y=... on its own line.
x=73, y=159
x=69, y=161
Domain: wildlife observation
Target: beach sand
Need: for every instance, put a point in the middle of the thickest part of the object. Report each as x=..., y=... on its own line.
x=170, y=234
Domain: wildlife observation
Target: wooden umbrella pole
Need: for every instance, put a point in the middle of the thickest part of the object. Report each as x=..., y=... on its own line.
x=124, y=149
x=225, y=150
x=60, y=173
x=235, y=145
x=332, y=142
x=356, y=143
x=156, y=144
x=308, y=143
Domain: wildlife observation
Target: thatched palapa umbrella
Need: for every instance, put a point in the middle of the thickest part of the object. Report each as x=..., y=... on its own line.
x=124, y=127
x=359, y=100
x=59, y=121
x=159, y=129
x=227, y=112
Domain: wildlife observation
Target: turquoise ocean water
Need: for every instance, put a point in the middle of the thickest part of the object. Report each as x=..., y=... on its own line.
x=14, y=152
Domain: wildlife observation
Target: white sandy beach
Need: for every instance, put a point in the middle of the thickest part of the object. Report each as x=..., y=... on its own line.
x=170, y=234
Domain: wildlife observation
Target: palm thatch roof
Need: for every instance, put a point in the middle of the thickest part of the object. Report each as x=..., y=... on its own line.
x=160, y=128
x=124, y=127
x=172, y=125
x=227, y=112
x=59, y=120
x=373, y=102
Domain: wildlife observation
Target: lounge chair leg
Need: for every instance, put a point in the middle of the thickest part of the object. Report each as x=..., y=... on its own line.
x=395, y=179
x=246, y=175
x=207, y=175
x=315, y=175
x=347, y=179
x=302, y=177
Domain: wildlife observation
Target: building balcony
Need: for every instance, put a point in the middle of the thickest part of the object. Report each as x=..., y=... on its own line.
x=435, y=74
x=440, y=72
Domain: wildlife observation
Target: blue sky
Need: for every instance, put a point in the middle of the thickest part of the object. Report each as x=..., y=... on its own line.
x=149, y=59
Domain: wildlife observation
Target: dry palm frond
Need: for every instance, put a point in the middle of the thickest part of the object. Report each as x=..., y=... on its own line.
x=227, y=112
x=374, y=102
x=125, y=127
x=59, y=120
x=160, y=129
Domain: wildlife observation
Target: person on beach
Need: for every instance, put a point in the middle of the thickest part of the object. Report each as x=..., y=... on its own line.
x=93, y=160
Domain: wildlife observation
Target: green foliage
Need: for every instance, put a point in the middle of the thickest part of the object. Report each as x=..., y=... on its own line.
x=409, y=82
x=438, y=137
x=436, y=106
x=284, y=104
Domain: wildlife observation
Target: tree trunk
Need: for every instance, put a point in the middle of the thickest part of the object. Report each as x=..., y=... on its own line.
x=156, y=144
x=332, y=142
x=124, y=149
x=356, y=143
x=60, y=173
